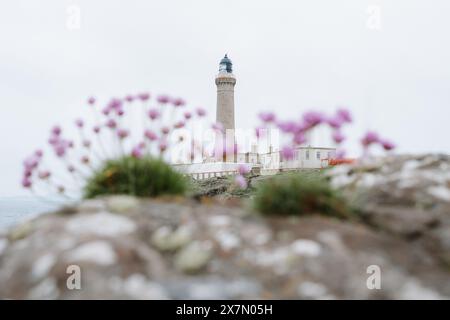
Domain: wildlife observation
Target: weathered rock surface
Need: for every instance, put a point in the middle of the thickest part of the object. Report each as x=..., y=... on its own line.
x=183, y=248
x=408, y=196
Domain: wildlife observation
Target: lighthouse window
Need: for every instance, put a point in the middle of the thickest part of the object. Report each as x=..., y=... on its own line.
x=307, y=155
x=318, y=155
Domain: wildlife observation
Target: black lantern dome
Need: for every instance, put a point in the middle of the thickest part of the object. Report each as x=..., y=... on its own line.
x=226, y=65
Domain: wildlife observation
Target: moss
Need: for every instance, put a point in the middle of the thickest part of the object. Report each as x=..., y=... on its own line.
x=142, y=177
x=299, y=194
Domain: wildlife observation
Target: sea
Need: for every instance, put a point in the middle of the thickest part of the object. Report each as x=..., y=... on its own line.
x=13, y=210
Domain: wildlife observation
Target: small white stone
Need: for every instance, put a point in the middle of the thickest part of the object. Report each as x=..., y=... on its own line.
x=367, y=180
x=277, y=257
x=122, y=203
x=66, y=243
x=440, y=192
x=203, y=291
x=92, y=205
x=261, y=239
x=167, y=240
x=413, y=290
x=102, y=224
x=311, y=290
x=137, y=287
x=219, y=221
x=341, y=180
x=98, y=252
x=42, y=266
x=47, y=289
x=411, y=165
x=193, y=257
x=227, y=240
x=306, y=247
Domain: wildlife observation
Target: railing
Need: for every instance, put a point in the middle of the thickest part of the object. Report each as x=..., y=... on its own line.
x=207, y=175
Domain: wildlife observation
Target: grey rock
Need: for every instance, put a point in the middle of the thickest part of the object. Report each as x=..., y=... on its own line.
x=166, y=239
x=122, y=204
x=193, y=258
x=216, y=248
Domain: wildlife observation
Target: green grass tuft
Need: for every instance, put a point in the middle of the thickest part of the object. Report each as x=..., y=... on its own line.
x=299, y=194
x=142, y=177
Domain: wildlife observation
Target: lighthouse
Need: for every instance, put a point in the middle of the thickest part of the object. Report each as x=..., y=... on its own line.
x=225, y=82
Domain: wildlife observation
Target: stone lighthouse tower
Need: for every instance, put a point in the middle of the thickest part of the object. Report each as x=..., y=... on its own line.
x=225, y=82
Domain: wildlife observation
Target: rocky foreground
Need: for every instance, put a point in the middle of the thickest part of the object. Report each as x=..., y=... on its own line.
x=214, y=248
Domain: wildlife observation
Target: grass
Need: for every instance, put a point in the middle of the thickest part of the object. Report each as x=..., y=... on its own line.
x=141, y=177
x=299, y=194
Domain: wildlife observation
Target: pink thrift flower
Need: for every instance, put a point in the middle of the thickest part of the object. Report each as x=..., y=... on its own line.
x=244, y=169
x=335, y=122
x=91, y=100
x=53, y=140
x=162, y=146
x=122, y=133
x=338, y=137
x=39, y=153
x=144, y=96
x=129, y=98
x=27, y=173
x=163, y=99
x=287, y=153
x=96, y=129
x=153, y=114
x=150, y=135
x=85, y=159
x=179, y=124
x=31, y=163
x=240, y=181
x=369, y=138
x=26, y=183
x=344, y=115
x=44, y=175
x=114, y=104
x=299, y=138
x=178, y=102
x=120, y=112
x=267, y=117
x=165, y=130
x=187, y=115
x=60, y=150
x=71, y=168
x=79, y=123
x=56, y=130
x=137, y=152
x=111, y=123
x=313, y=118
x=142, y=145
x=106, y=111
x=287, y=126
x=201, y=112
x=387, y=145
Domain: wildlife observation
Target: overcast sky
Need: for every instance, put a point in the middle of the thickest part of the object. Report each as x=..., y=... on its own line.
x=391, y=70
